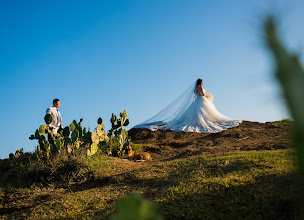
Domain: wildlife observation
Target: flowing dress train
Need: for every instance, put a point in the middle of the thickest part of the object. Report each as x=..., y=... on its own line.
x=190, y=112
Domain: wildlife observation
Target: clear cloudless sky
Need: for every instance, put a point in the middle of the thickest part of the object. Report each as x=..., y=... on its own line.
x=100, y=57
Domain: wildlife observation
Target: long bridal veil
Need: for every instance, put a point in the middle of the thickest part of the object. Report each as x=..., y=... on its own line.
x=190, y=112
x=172, y=112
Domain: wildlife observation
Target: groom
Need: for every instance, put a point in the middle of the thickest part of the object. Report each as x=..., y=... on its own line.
x=57, y=120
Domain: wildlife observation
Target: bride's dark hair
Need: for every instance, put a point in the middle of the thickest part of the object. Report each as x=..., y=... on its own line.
x=199, y=81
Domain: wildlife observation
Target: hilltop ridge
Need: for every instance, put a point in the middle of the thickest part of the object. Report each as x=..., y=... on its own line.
x=247, y=136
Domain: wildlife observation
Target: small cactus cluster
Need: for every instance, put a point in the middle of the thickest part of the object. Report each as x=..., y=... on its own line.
x=96, y=138
x=17, y=154
x=44, y=147
x=68, y=138
x=120, y=134
x=118, y=123
x=19, y=157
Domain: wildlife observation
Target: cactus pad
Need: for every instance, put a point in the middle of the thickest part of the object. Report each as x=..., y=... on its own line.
x=48, y=118
x=119, y=122
x=95, y=137
x=87, y=138
x=72, y=126
x=66, y=131
x=93, y=149
x=75, y=135
x=60, y=131
x=37, y=136
x=124, y=114
x=100, y=130
x=58, y=144
x=42, y=129
x=41, y=139
x=113, y=119
x=77, y=144
x=67, y=140
x=126, y=122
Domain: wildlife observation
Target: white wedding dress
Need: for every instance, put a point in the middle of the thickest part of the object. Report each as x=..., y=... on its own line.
x=190, y=112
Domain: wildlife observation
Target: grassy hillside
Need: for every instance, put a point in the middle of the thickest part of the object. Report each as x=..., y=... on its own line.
x=185, y=182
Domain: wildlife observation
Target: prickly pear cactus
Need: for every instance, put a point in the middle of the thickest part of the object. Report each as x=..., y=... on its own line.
x=77, y=144
x=72, y=127
x=100, y=130
x=127, y=143
x=124, y=114
x=75, y=135
x=119, y=123
x=66, y=131
x=72, y=136
x=37, y=135
x=60, y=131
x=45, y=146
x=87, y=138
x=59, y=143
x=48, y=118
x=17, y=153
x=113, y=119
x=95, y=137
x=12, y=156
x=126, y=122
x=42, y=129
x=123, y=137
x=78, y=127
x=80, y=131
x=41, y=139
x=93, y=149
x=67, y=140
x=120, y=134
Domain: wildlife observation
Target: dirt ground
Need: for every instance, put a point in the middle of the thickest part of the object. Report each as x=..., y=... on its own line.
x=168, y=145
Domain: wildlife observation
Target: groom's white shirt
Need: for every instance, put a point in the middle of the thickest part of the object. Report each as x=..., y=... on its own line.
x=55, y=123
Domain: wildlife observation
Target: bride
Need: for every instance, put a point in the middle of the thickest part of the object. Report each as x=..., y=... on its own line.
x=192, y=111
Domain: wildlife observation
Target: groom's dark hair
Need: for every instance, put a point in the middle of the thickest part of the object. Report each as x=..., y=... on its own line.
x=55, y=101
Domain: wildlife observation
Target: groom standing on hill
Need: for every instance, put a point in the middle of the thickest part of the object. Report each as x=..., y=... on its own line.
x=57, y=120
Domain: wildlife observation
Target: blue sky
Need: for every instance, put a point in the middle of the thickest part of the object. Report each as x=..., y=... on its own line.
x=100, y=57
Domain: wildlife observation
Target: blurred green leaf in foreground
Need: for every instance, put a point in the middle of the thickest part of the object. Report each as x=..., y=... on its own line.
x=291, y=77
x=133, y=207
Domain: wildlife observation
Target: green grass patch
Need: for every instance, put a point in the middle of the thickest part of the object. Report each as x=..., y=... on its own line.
x=251, y=185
